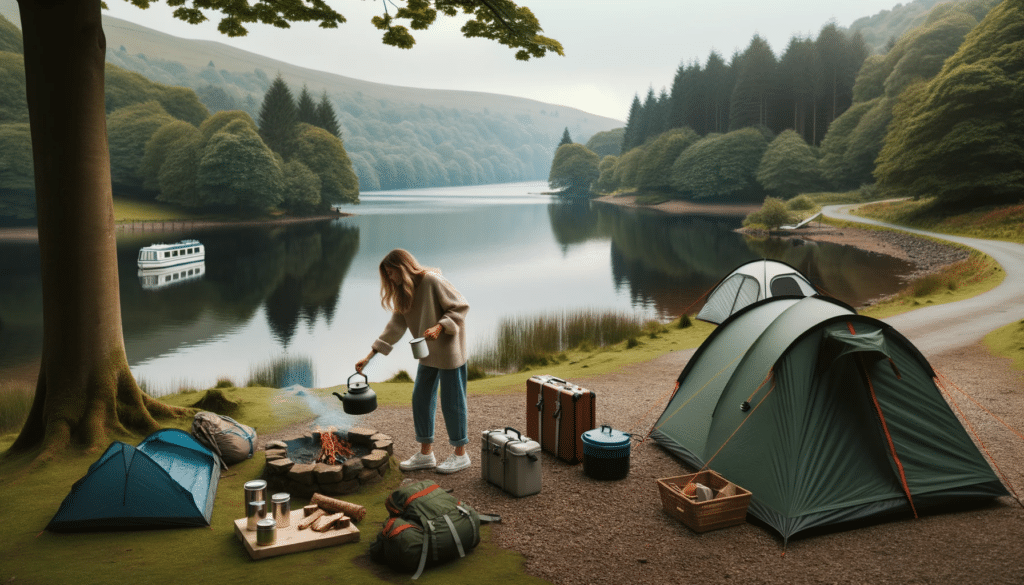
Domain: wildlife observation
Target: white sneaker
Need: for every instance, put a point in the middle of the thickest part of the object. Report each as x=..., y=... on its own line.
x=418, y=461
x=454, y=463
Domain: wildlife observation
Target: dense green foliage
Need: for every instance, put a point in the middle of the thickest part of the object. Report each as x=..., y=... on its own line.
x=945, y=101
x=654, y=169
x=789, y=166
x=324, y=155
x=606, y=143
x=721, y=166
x=960, y=136
x=805, y=89
x=129, y=129
x=574, y=169
x=772, y=214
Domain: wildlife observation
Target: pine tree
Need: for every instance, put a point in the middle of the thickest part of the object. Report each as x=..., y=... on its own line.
x=279, y=118
x=325, y=116
x=306, y=108
x=629, y=137
x=566, y=139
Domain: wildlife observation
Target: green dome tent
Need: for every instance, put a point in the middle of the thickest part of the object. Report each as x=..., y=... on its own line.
x=169, y=480
x=826, y=416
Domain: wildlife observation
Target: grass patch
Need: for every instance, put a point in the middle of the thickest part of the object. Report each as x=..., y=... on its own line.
x=15, y=403
x=128, y=210
x=956, y=282
x=1004, y=222
x=1008, y=342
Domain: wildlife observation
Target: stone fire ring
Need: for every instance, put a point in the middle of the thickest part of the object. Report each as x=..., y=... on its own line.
x=305, y=479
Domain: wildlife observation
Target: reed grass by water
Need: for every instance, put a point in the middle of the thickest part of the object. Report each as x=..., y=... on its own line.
x=282, y=372
x=538, y=340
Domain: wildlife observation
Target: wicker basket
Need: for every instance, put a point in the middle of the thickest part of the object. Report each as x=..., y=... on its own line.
x=708, y=515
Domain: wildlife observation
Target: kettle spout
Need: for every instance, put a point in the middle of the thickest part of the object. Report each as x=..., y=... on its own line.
x=340, y=397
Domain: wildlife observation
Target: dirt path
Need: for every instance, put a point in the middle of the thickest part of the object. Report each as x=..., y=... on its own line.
x=941, y=328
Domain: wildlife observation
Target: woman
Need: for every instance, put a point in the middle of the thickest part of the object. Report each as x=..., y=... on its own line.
x=421, y=300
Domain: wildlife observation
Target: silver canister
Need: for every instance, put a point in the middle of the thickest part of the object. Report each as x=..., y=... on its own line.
x=255, y=512
x=266, y=532
x=281, y=509
x=256, y=490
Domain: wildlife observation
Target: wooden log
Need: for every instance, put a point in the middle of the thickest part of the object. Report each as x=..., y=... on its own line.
x=355, y=511
x=309, y=520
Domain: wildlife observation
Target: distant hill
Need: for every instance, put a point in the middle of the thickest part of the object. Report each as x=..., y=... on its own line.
x=883, y=29
x=396, y=136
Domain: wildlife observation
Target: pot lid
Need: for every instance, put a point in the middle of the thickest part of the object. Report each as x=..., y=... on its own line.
x=606, y=437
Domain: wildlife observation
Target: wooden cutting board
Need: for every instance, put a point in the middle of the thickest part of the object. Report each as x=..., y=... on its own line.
x=291, y=539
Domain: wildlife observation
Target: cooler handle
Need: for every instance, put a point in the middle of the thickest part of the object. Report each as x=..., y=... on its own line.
x=518, y=434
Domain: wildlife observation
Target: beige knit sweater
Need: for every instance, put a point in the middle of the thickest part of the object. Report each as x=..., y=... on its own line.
x=435, y=301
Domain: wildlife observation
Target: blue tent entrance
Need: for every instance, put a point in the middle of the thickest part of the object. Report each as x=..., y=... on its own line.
x=169, y=480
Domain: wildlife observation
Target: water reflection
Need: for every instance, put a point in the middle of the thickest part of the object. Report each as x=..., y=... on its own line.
x=310, y=292
x=157, y=278
x=293, y=273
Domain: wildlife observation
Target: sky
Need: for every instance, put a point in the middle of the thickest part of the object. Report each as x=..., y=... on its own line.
x=614, y=49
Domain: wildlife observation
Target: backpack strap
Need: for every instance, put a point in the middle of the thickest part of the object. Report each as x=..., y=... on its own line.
x=423, y=554
x=455, y=535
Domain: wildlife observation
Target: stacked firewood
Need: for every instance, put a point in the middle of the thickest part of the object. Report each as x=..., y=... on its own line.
x=324, y=513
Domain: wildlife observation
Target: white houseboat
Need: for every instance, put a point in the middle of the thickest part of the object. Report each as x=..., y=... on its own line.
x=166, y=255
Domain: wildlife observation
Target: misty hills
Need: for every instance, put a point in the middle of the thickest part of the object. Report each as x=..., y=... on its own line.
x=396, y=137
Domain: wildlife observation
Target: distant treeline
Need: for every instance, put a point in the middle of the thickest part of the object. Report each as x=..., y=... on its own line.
x=937, y=115
x=804, y=90
x=392, y=145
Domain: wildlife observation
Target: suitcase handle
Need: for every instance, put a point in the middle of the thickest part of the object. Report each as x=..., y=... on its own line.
x=554, y=379
x=520, y=435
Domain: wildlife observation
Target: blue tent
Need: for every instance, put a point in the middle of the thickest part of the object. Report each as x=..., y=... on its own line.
x=169, y=480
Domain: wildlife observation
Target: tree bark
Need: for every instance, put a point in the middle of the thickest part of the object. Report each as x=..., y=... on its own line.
x=85, y=390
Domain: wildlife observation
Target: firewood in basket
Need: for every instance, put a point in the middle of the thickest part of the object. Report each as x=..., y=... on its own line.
x=309, y=520
x=307, y=510
x=355, y=511
x=325, y=523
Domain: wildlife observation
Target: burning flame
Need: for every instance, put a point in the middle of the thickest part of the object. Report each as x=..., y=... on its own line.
x=332, y=449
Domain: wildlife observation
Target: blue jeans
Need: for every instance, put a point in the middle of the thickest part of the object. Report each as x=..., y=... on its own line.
x=453, y=404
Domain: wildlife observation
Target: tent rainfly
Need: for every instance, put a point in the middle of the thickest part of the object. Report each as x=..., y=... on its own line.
x=826, y=416
x=752, y=282
x=169, y=480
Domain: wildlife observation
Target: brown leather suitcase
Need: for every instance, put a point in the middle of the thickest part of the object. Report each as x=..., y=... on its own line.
x=557, y=414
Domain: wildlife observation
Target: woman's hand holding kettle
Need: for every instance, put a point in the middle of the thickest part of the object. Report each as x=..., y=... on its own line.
x=362, y=363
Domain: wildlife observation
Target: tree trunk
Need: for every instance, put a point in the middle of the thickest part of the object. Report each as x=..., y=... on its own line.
x=85, y=389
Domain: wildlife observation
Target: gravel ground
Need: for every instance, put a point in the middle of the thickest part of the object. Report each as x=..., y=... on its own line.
x=580, y=531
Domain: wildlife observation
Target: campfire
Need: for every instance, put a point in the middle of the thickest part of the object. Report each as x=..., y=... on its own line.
x=332, y=449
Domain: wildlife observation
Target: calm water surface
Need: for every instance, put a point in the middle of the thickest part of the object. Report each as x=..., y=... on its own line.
x=311, y=291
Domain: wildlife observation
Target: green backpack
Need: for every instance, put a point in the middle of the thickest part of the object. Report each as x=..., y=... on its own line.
x=427, y=526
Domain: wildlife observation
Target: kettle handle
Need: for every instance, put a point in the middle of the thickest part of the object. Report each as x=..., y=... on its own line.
x=348, y=382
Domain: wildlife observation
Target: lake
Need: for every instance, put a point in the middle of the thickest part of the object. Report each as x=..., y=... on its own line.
x=309, y=292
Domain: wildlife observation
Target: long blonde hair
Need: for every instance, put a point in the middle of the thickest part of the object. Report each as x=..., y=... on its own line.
x=397, y=297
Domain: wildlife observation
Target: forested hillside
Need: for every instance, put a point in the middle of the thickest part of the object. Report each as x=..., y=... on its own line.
x=939, y=113
x=396, y=137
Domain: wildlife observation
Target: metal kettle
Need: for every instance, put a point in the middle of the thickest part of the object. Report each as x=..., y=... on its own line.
x=359, y=399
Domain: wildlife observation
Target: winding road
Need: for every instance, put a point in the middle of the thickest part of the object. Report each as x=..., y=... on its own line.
x=940, y=328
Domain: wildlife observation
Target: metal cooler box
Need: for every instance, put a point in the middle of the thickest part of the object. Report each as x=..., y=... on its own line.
x=510, y=461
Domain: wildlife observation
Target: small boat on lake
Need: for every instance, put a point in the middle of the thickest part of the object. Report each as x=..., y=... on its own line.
x=167, y=255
